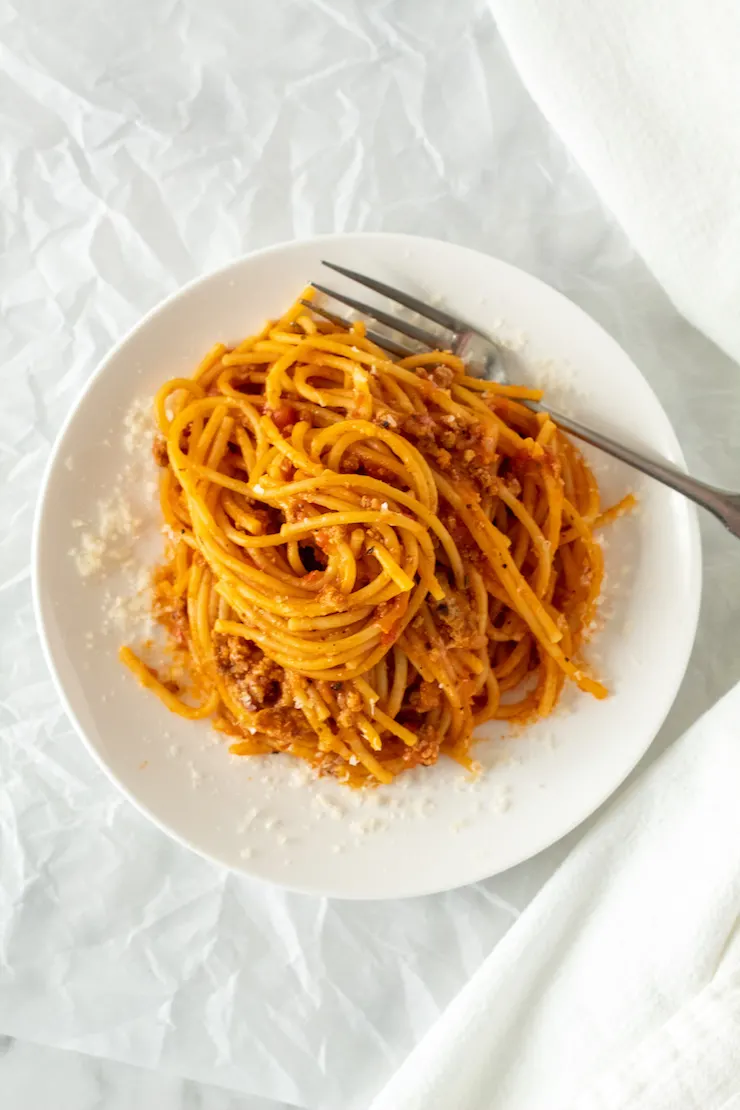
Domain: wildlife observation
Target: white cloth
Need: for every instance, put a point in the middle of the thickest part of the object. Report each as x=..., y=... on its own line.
x=646, y=94
x=619, y=987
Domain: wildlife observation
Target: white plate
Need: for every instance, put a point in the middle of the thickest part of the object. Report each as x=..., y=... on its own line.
x=431, y=830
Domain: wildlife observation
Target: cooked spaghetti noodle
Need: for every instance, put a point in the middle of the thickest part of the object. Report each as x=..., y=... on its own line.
x=366, y=558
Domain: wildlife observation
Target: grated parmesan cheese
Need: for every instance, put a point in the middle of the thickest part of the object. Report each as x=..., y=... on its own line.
x=138, y=425
x=367, y=825
x=107, y=545
x=247, y=820
x=328, y=806
x=110, y=541
x=501, y=800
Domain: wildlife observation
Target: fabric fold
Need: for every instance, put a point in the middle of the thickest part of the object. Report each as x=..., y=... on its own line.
x=620, y=984
x=646, y=95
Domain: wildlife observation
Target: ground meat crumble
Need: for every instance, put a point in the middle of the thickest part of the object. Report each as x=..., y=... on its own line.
x=258, y=683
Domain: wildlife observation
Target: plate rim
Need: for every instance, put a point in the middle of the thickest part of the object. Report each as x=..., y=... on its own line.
x=694, y=566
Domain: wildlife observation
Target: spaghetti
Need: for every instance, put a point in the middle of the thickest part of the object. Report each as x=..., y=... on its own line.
x=366, y=558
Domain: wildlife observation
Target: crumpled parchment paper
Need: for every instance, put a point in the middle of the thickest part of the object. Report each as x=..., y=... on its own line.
x=142, y=144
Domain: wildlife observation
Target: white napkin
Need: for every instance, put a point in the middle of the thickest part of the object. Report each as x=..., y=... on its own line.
x=619, y=987
x=646, y=93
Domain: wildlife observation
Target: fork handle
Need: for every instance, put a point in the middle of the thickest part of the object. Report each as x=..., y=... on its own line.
x=723, y=504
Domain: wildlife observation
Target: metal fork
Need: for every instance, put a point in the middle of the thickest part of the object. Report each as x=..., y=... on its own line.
x=483, y=360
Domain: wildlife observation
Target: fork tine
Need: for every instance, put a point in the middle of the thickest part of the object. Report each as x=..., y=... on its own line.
x=403, y=326
x=379, y=340
x=446, y=319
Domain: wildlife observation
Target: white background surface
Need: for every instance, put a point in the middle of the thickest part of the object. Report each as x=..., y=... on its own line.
x=142, y=145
